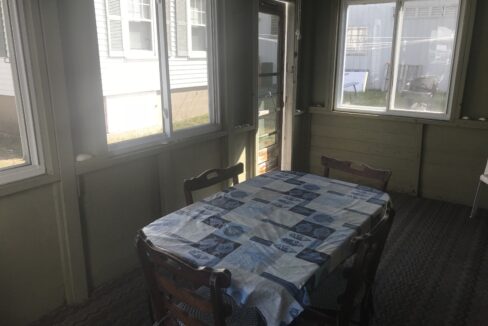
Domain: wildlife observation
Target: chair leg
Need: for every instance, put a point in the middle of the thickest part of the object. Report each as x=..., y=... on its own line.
x=476, y=200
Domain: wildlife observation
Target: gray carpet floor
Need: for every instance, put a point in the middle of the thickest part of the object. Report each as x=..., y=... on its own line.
x=434, y=271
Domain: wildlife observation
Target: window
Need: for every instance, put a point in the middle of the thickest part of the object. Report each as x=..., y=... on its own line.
x=198, y=28
x=20, y=155
x=397, y=57
x=169, y=94
x=140, y=25
x=130, y=27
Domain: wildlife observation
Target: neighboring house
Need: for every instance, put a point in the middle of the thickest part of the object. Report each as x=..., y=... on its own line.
x=127, y=36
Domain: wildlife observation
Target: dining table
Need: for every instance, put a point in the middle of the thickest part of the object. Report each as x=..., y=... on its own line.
x=278, y=234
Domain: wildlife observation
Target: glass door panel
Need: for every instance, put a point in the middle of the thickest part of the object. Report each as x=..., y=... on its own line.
x=270, y=86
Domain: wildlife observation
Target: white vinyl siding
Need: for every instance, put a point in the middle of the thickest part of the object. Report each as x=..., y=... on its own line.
x=187, y=73
x=184, y=72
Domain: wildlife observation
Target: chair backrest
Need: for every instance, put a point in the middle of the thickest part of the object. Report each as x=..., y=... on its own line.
x=209, y=178
x=360, y=276
x=173, y=282
x=358, y=169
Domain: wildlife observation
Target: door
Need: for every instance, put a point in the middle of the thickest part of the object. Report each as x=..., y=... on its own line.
x=270, y=85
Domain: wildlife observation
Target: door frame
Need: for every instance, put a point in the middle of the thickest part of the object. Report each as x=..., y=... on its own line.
x=276, y=8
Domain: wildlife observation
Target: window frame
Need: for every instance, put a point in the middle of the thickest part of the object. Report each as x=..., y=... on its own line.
x=26, y=106
x=455, y=69
x=212, y=54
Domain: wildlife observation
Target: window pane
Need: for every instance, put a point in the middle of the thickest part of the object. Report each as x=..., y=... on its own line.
x=268, y=43
x=11, y=152
x=140, y=36
x=146, y=11
x=190, y=107
x=267, y=124
x=131, y=87
x=367, y=53
x=426, y=53
x=189, y=74
x=268, y=93
x=133, y=116
x=12, y=136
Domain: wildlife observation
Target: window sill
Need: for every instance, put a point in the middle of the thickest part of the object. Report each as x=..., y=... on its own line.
x=397, y=113
x=141, y=151
x=370, y=115
x=27, y=184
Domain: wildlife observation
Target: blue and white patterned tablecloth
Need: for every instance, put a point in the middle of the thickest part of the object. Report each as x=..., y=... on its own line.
x=274, y=233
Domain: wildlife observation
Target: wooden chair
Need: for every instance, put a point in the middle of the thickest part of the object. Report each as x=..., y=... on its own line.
x=381, y=177
x=182, y=293
x=359, y=276
x=210, y=178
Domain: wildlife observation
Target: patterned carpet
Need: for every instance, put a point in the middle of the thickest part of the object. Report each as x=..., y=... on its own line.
x=119, y=303
x=434, y=272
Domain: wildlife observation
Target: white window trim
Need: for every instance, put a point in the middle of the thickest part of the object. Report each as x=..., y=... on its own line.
x=191, y=53
x=27, y=112
x=393, y=72
x=127, y=52
x=169, y=134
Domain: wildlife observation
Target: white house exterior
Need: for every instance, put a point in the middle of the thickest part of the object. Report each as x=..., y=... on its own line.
x=128, y=47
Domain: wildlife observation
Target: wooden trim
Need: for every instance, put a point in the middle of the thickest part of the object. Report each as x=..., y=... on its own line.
x=66, y=196
x=108, y=160
x=369, y=115
x=420, y=155
x=463, y=49
x=27, y=184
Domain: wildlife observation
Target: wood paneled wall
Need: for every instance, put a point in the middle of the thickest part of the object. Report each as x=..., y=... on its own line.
x=379, y=143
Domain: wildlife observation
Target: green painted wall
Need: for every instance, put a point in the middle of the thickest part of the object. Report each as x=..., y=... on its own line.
x=431, y=160
x=115, y=203
x=31, y=280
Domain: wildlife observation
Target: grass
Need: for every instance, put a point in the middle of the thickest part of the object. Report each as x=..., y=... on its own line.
x=191, y=122
x=10, y=151
x=378, y=98
x=177, y=125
